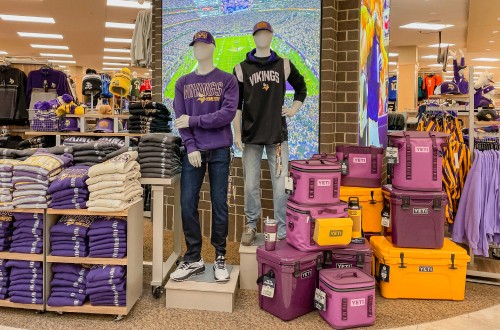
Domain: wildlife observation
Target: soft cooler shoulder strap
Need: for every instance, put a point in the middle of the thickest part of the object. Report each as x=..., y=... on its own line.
x=434, y=156
x=408, y=156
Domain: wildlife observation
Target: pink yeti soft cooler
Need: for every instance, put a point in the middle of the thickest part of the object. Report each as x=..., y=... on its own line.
x=360, y=166
x=300, y=223
x=353, y=256
x=315, y=181
x=420, y=160
x=350, y=298
x=295, y=277
x=417, y=217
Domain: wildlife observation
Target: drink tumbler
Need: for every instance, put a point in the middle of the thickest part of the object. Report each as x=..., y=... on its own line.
x=270, y=229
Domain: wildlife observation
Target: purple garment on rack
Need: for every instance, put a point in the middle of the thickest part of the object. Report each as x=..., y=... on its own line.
x=66, y=289
x=113, y=223
x=37, y=281
x=27, y=216
x=66, y=239
x=103, y=283
x=104, y=231
x=106, y=272
x=70, y=268
x=62, y=301
x=28, y=223
x=71, y=177
x=109, y=244
x=28, y=277
x=25, y=294
x=21, y=264
x=28, y=250
x=26, y=287
x=26, y=230
x=69, y=253
x=22, y=271
x=69, y=284
x=71, y=277
x=73, y=193
x=68, y=295
x=25, y=300
x=108, y=295
x=107, y=238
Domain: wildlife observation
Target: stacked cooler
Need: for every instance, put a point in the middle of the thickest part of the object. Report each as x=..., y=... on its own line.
x=319, y=234
x=414, y=249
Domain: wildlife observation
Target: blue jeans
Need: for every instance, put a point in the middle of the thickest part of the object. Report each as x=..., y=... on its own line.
x=252, y=156
x=218, y=162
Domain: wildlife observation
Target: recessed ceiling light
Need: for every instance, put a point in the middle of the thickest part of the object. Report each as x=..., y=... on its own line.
x=124, y=40
x=62, y=66
x=62, y=61
x=2, y=52
x=128, y=26
x=117, y=58
x=484, y=67
x=438, y=65
x=110, y=69
x=393, y=63
x=40, y=35
x=426, y=26
x=66, y=70
x=443, y=44
x=393, y=54
x=488, y=48
x=56, y=55
x=115, y=63
x=117, y=50
x=30, y=19
x=492, y=41
x=430, y=56
x=49, y=46
x=128, y=4
x=486, y=59
x=496, y=31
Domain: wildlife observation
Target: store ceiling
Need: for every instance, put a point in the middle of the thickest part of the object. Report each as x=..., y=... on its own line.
x=82, y=24
x=474, y=24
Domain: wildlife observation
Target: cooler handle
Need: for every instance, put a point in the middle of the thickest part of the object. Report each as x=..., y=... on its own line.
x=344, y=309
x=434, y=157
x=402, y=257
x=408, y=156
x=347, y=274
x=374, y=160
x=328, y=257
x=319, y=262
x=296, y=269
x=369, y=311
x=311, y=188
x=453, y=262
x=270, y=274
x=333, y=211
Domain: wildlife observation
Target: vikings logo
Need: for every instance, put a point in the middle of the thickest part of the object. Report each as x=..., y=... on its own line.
x=201, y=98
x=265, y=87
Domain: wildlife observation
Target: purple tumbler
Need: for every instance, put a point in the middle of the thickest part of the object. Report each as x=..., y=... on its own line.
x=270, y=229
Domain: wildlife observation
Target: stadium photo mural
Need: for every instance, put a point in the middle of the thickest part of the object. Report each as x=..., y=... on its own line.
x=374, y=65
x=297, y=29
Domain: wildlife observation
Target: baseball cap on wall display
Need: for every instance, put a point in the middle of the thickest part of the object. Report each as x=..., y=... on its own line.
x=203, y=36
x=104, y=125
x=262, y=26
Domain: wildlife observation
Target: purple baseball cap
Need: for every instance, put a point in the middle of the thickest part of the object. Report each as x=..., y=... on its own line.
x=104, y=125
x=70, y=124
x=488, y=89
x=449, y=87
x=263, y=26
x=203, y=36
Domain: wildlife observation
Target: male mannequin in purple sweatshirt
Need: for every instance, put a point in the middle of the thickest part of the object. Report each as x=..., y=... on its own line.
x=205, y=103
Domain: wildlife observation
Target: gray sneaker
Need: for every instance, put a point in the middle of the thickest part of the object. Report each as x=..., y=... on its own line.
x=248, y=236
x=188, y=269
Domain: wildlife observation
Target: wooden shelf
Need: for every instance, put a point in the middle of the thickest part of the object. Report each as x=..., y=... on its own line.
x=87, y=260
x=464, y=97
x=87, y=308
x=33, y=133
x=98, y=115
x=8, y=303
x=27, y=210
x=86, y=212
x=21, y=256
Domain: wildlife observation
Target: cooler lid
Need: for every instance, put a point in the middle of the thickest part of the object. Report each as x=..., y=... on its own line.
x=416, y=134
x=413, y=194
x=318, y=209
x=384, y=246
x=364, y=194
x=346, y=278
x=355, y=248
x=316, y=164
x=286, y=255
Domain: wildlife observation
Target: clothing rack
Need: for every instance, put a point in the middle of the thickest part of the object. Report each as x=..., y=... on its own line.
x=26, y=60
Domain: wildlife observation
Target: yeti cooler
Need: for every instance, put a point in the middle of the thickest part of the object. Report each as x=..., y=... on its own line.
x=353, y=256
x=333, y=231
x=371, y=202
x=287, y=280
x=360, y=166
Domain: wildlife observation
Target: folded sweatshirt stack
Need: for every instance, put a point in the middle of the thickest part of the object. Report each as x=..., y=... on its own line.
x=68, y=286
x=149, y=117
x=114, y=185
x=6, y=153
x=108, y=237
x=26, y=282
x=69, y=189
x=106, y=286
x=4, y=279
x=6, y=185
x=32, y=178
x=6, y=230
x=68, y=237
x=27, y=236
x=160, y=155
x=90, y=154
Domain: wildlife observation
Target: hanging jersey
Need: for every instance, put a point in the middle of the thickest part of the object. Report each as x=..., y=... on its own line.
x=393, y=88
x=420, y=88
x=430, y=84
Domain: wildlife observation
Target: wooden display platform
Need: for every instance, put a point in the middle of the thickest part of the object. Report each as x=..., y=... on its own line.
x=98, y=115
x=460, y=97
x=89, y=309
x=8, y=303
x=99, y=134
x=87, y=260
x=21, y=256
x=86, y=212
x=27, y=210
x=249, y=268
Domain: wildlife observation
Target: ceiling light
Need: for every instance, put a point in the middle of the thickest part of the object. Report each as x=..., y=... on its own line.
x=62, y=61
x=40, y=35
x=125, y=40
x=486, y=59
x=117, y=50
x=66, y=70
x=49, y=46
x=393, y=63
x=485, y=67
x=128, y=4
x=429, y=56
x=117, y=58
x=492, y=41
x=443, y=44
x=488, y=48
x=62, y=66
x=120, y=25
x=439, y=65
x=110, y=69
x=30, y=19
x=393, y=54
x=426, y=26
x=115, y=63
x=494, y=31
x=2, y=52
x=56, y=55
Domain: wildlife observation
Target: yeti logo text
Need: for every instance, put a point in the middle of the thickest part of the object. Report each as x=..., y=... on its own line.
x=359, y=160
x=306, y=274
x=425, y=269
x=357, y=302
x=336, y=233
x=343, y=265
x=420, y=210
x=421, y=149
x=324, y=183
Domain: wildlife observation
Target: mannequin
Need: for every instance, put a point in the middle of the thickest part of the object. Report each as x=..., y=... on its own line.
x=484, y=80
x=205, y=103
x=487, y=98
x=261, y=79
x=135, y=87
x=459, y=72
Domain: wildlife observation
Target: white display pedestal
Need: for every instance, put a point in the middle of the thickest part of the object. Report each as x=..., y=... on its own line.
x=249, y=265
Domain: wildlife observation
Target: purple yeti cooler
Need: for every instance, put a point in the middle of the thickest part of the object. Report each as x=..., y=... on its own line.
x=417, y=217
x=420, y=165
x=295, y=276
x=353, y=256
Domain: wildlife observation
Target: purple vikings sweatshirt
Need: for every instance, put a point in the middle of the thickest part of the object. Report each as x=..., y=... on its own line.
x=211, y=101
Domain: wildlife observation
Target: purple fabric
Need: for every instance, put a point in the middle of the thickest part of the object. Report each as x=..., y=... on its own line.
x=30, y=175
x=71, y=277
x=69, y=268
x=72, y=177
x=27, y=241
x=115, y=255
x=3, y=296
x=27, y=216
x=68, y=246
x=21, y=237
x=108, y=282
x=78, y=206
x=71, y=284
x=107, y=295
x=68, y=253
x=73, y=225
x=23, y=272
x=38, y=295
x=109, y=223
x=25, y=300
x=26, y=230
x=109, y=251
x=68, y=201
x=28, y=277
x=73, y=193
x=26, y=287
x=113, y=288
x=69, y=295
x=70, y=230
x=104, y=231
x=37, y=281
x=110, y=244
x=120, y=303
x=28, y=223
x=66, y=239
x=61, y=301
x=29, y=250
x=20, y=264
x=6, y=224
x=65, y=289
x=3, y=290
x=107, y=238
x=105, y=273
x=25, y=179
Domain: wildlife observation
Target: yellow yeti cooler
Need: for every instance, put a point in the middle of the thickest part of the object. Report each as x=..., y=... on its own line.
x=419, y=273
x=333, y=231
x=371, y=202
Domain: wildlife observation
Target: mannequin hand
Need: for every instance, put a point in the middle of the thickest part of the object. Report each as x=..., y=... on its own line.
x=288, y=112
x=237, y=142
x=182, y=121
x=195, y=158
x=453, y=54
x=461, y=52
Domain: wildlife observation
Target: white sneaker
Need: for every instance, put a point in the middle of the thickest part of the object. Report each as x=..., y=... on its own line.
x=188, y=269
x=220, y=271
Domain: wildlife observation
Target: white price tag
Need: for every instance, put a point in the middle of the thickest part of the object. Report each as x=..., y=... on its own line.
x=289, y=185
x=386, y=221
x=268, y=286
x=320, y=300
x=392, y=155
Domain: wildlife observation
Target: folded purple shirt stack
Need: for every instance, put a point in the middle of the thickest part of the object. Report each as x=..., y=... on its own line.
x=108, y=237
x=69, y=190
x=106, y=286
x=4, y=279
x=28, y=233
x=6, y=230
x=6, y=187
x=68, y=237
x=68, y=286
x=26, y=282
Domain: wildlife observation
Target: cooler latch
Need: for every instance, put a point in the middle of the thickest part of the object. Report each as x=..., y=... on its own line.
x=319, y=262
x=360, y=260
x=296, y=269
x=405, y=202
x=436, y=203
x=453, y=262
x=402, y=257
x=328, y=258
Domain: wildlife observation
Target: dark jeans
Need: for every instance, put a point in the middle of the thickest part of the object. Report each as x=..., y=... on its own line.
x=218, y=161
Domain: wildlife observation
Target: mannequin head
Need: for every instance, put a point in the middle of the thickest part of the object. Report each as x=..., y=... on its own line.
x=263, y=39
x=134, y=74
x=203, y=51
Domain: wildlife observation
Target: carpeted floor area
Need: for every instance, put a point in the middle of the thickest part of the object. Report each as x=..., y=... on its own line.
x=150, y=313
